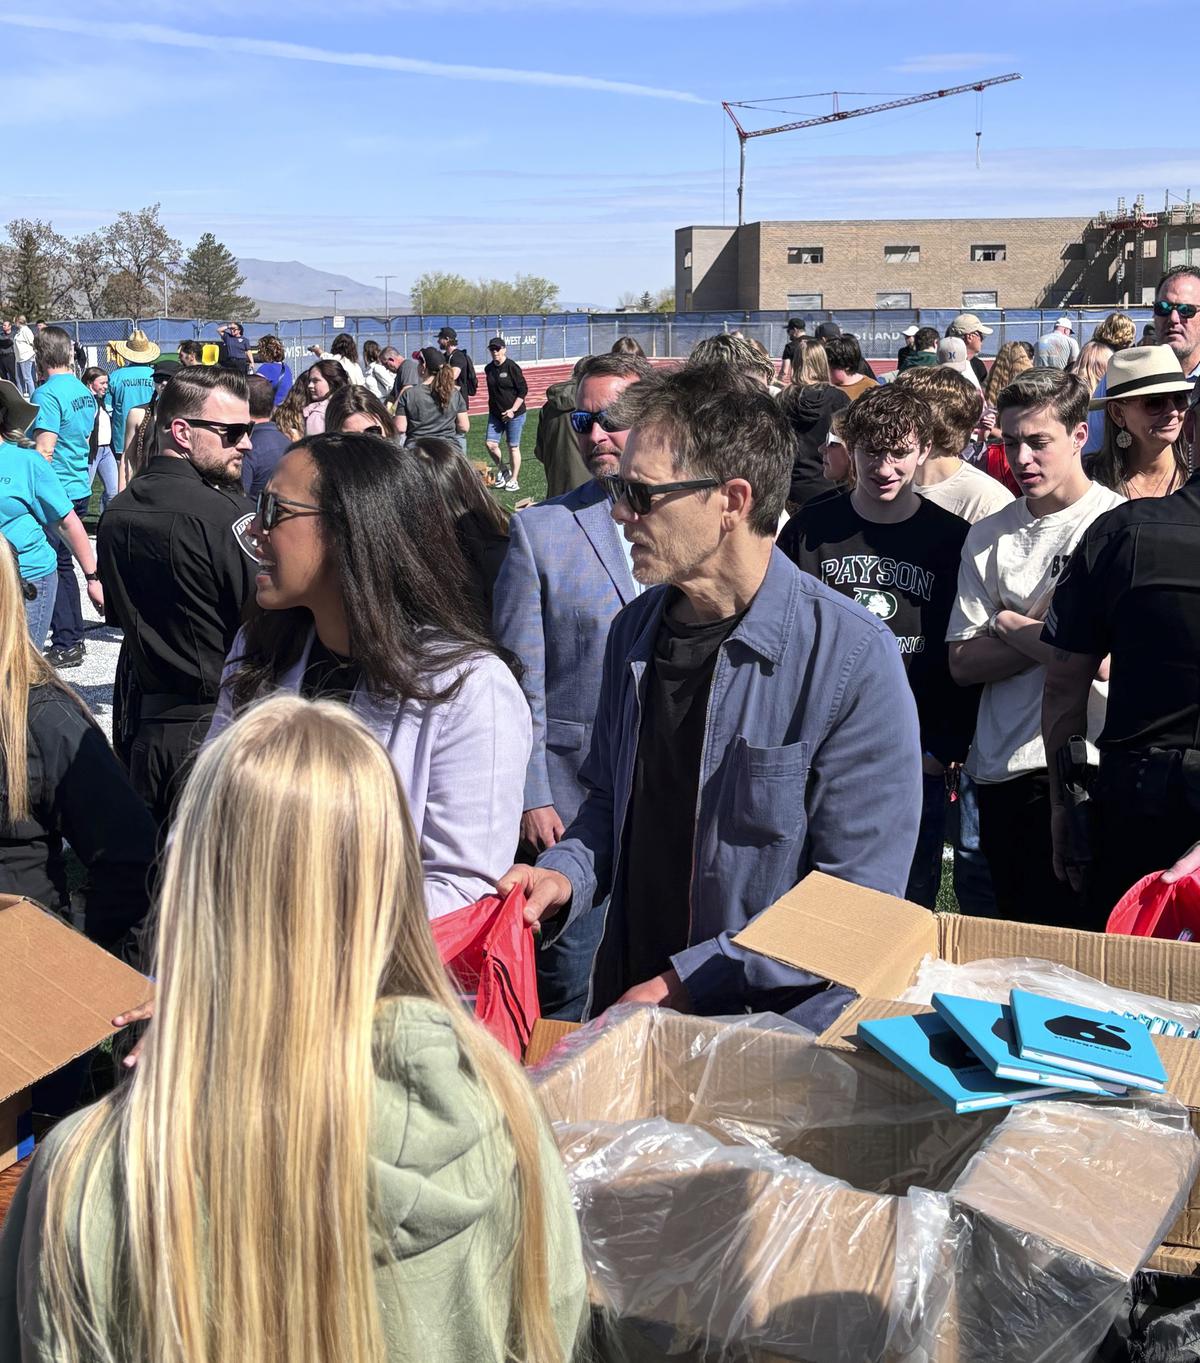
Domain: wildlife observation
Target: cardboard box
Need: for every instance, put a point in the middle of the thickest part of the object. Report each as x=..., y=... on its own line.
x=746, y=1192
x=873, y=944
x=58, y=992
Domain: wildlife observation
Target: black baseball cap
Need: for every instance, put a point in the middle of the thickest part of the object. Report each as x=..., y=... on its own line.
x=796, y=324
x=433, y=358
x=497, y=343
x=447, y=334
x=826, y=331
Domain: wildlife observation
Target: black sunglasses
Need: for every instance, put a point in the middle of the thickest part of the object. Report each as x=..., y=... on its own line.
x=231, y=432
x=1163, y=308
x=582, y=422
x=1159, y=402
x=269, y=514
x=641, y=495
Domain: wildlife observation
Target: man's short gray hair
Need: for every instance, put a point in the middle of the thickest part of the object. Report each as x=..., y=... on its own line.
x=388, y=352
x=54, y=348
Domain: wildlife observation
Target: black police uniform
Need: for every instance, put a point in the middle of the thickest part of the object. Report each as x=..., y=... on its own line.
x=177, y=582
x=1132, y=590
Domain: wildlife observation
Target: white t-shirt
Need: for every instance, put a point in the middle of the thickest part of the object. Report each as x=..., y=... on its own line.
x=969, y=493
x=1010, y=561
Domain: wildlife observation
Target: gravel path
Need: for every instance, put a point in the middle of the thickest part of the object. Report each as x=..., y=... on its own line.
x=94, y=680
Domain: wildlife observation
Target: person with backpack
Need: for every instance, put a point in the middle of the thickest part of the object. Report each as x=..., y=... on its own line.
x=460, y=363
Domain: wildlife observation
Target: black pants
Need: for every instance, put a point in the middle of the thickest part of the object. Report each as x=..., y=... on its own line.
x=160, y=756
x=1014, y=835
x=1130, y=844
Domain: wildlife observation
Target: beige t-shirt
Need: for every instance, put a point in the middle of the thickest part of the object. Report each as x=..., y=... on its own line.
x=1011, y=561
x=969, y=493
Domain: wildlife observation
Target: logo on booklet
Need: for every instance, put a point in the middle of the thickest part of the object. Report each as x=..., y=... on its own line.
x=1090, y=1033
x=949, y=1049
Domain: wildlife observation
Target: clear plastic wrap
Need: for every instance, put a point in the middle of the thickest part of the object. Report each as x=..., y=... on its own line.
x=746, y=1194
x=992, y=980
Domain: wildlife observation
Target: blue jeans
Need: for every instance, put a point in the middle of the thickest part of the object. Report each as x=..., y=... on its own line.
x=972, y=879
x=39, y=611
x=105, y=464
x=26, y=381
x=564, y=966
x=510, y=430
x=66, y=623
x=925, y=875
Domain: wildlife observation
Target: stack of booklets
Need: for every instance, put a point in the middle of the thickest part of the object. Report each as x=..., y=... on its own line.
x=974, y=1055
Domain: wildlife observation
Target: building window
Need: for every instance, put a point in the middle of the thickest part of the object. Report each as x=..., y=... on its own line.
x=687, y=260
x=988, y=255
x=901, y=255
x=979, y=299
x=799, y=302
x=806, y=255
x=893, y=300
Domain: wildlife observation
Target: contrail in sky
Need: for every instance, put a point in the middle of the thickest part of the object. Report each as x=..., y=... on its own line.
x=299, y=52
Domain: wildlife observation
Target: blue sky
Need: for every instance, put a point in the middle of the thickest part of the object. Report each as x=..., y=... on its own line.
x=569, y=138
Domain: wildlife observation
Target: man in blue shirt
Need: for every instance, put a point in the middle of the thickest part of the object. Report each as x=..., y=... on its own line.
x=131, y=385
x=235, y=349
x=63, y=431
x=739, y=741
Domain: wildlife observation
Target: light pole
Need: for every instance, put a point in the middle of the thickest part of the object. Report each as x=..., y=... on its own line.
x=335, y=293
x=386, y=278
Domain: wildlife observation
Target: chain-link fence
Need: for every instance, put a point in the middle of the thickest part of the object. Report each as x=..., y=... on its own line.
x=566, y=336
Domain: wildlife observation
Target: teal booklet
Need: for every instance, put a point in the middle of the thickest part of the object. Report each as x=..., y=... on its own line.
x=928, y=1050
x=988, y=1029
x=1089, y=1041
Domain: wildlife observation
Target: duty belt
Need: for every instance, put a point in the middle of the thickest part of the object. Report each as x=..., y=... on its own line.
x=1154, y=780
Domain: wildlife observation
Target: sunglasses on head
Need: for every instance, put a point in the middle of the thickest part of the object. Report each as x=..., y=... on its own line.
x=1164, y=308
x=640, y=496
x=231, y=432
x=582, y=422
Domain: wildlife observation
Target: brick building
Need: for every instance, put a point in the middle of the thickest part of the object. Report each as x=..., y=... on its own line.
x=908, y=264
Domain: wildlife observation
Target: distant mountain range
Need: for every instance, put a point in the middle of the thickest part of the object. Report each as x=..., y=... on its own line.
x=288, y=288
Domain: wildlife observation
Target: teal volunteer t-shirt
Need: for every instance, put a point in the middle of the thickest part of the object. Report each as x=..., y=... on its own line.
x=129, y=387
x=68, y=409
x=31, y=500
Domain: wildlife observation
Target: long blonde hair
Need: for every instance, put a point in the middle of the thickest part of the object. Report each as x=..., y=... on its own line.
x=1092, y=363
x=289, y=415
x=22, y=667
x=1011, y=359
x=292, y=902
x=810, y=364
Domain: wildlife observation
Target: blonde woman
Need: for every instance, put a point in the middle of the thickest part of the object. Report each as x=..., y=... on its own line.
x=320, y=1156
x=1143, y=452
x=810, y=402
x=1115, y=332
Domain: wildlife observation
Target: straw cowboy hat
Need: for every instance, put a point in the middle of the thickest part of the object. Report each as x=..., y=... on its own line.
x=139, y=349
x=1140, y=372
x=18, y=414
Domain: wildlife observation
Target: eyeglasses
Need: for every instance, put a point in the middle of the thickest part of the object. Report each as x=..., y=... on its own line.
x=640, y=496
x=267, y=509
x=231, y=432
x=1164, y=308
x=582, y=422
x=1159, y=402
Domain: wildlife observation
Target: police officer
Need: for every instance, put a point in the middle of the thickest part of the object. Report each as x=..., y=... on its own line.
x=176, y=577
x=1131, y=594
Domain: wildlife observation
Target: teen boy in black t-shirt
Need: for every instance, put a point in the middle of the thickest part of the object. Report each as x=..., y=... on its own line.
x=898, y=555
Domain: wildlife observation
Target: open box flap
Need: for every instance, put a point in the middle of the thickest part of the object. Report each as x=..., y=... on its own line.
x=58, y=992
x=863, y=939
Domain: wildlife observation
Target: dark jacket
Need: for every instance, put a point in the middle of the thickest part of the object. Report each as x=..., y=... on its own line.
x=918, y=359
x=79, y=795
x=556, y=447
x=810, y=408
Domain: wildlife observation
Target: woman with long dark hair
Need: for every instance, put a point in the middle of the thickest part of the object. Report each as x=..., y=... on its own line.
x=365, y=599
x=376, y=375
x=480, y=522
x=354, y=409
x=435, y=406
x=319, y=382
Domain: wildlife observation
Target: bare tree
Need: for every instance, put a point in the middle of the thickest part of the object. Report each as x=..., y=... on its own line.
x=91, y=268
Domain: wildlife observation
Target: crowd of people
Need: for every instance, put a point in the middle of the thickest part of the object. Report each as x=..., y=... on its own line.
x=770, y=620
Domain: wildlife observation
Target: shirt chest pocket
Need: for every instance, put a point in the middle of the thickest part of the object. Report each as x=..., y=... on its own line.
x=764, y=793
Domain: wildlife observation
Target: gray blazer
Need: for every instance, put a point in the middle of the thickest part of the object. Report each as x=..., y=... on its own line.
x=564, y=578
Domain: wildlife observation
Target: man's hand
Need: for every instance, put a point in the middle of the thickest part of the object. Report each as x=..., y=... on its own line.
x=542, y=827
x=1187, y=865
x=142, y=1013
x=314, y=349
x=663, y=991
x=546, y=891
x=96, y=596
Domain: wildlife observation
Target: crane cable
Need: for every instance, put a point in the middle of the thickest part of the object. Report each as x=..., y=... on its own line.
x=978, y=129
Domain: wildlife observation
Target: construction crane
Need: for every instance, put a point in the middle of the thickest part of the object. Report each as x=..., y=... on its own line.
x=837, y=116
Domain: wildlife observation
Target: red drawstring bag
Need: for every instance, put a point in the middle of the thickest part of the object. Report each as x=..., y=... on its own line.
x=489, y=949
x=996, y=464
x=1152, y=909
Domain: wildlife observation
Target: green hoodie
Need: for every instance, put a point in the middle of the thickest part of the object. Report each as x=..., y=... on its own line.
x=556, y=446
x=448, y=1220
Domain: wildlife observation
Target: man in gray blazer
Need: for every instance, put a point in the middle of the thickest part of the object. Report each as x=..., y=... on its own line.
x=566, y=575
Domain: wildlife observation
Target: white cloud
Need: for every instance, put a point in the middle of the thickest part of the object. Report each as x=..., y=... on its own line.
x=224, y=44
x=935, y=63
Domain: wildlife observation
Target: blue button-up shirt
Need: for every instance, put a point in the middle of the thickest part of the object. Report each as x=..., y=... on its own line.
x=811, y=760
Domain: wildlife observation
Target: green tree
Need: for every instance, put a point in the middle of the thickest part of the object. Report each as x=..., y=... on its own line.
x=35, y=269
x=209, y=283
x=438, y=291
x=664, y=300
x=140, y=252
